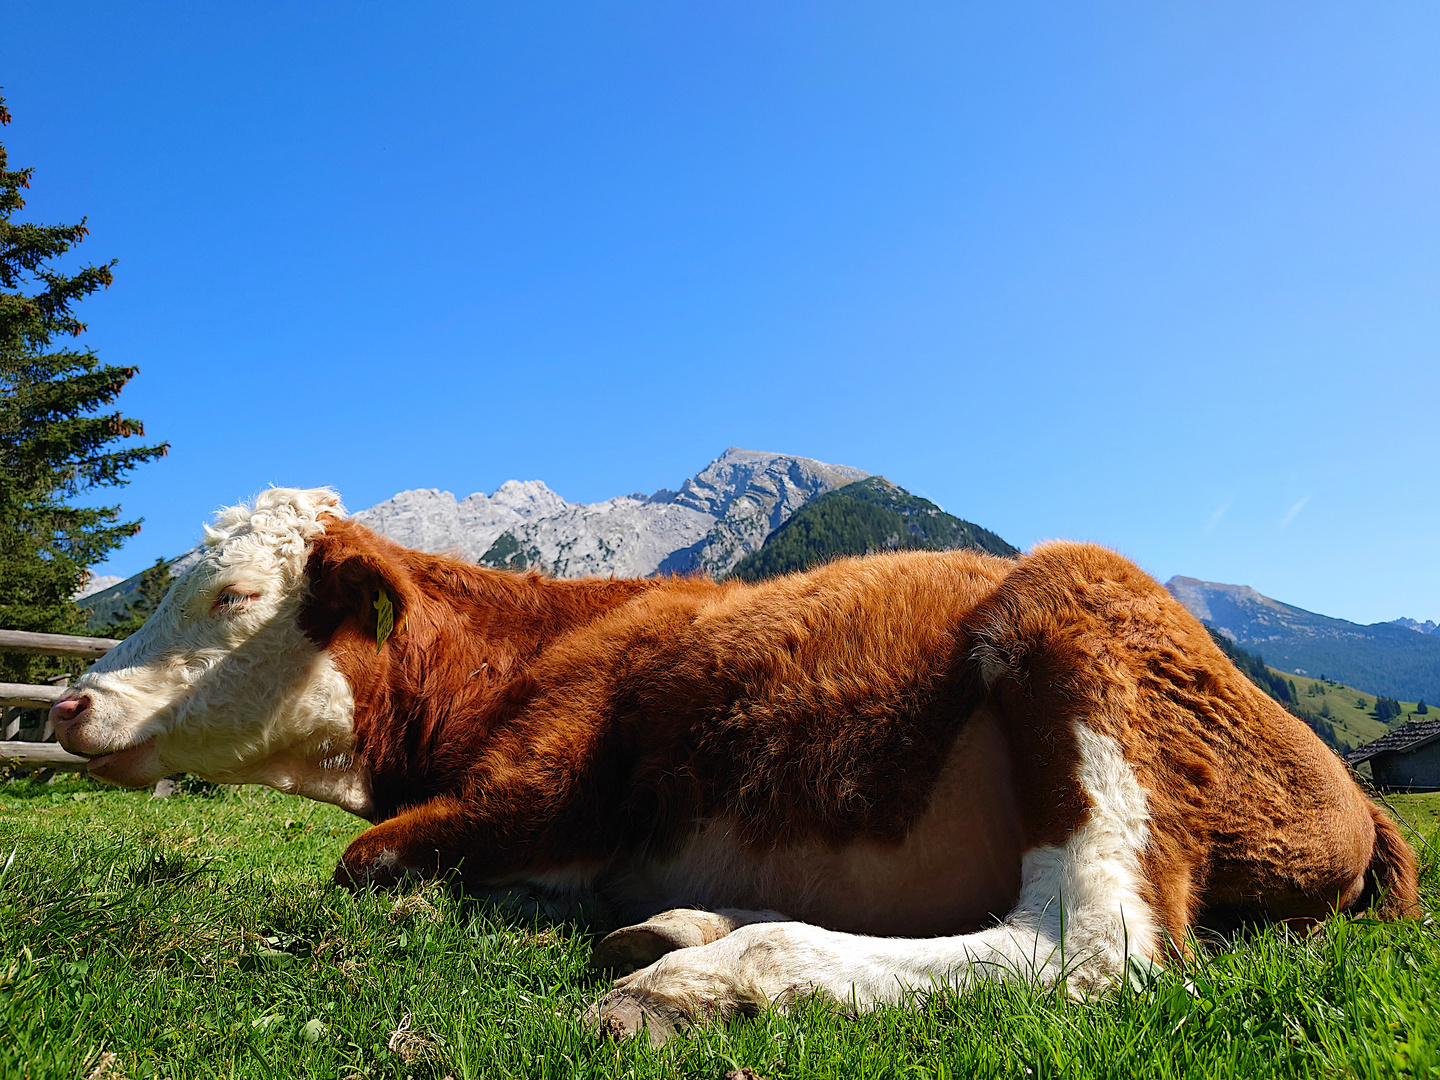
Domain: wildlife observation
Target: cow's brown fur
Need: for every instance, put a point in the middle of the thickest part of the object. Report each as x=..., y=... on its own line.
x=1250, y=813
x=518, y=725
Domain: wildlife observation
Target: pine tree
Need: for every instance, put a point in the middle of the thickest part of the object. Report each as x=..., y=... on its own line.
x=1387, y=709
x=53, y=436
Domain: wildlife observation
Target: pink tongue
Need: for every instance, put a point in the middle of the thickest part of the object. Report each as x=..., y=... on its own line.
x=136, y=766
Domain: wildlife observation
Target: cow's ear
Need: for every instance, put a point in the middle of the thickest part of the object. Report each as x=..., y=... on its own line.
x=357, y=585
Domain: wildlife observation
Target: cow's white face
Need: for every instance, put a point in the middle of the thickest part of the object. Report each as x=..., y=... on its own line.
x=221, y=681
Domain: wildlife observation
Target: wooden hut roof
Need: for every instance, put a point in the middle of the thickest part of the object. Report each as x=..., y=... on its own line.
x=1410, y=736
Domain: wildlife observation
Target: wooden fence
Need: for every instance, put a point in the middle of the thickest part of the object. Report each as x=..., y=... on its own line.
x=40, y=753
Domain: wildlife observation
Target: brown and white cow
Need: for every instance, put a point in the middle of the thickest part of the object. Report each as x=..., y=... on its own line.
x=940, y=767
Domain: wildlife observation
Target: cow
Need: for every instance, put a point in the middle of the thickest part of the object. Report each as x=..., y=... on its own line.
x=883, y=775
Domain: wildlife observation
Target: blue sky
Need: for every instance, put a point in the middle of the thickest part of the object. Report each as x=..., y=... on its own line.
x=1159, y=276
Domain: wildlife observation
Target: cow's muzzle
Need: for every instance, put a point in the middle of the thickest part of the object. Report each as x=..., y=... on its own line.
x=66, y=715
x=76, y=729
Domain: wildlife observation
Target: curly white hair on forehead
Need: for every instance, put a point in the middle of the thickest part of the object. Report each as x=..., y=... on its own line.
x=281, y=517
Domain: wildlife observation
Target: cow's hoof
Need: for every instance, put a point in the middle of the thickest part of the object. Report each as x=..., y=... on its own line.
x=634, y=947
x=384, y=871
x=621, y=1014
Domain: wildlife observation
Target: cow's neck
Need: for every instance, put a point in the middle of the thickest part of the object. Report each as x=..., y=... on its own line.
x=429, y=698
x=341, y=780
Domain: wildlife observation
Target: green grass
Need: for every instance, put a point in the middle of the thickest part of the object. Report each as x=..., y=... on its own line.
x=199, y=937
x=1420, y=811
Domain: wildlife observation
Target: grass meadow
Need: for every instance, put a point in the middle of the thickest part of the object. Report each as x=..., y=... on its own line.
x=198, y=936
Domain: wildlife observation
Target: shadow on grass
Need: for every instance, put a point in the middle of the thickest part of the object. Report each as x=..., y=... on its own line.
x=29, y=787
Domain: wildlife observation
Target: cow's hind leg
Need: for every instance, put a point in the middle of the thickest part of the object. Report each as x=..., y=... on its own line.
x=1079, y=918
x=638, y=946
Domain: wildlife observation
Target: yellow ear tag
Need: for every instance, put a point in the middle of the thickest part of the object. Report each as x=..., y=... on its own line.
x=385, y=621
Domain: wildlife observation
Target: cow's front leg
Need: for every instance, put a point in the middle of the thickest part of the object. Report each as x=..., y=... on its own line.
x=1080, y=919
x=768, y=963
x=634, y=947
x=425, y=841
x=774, y=965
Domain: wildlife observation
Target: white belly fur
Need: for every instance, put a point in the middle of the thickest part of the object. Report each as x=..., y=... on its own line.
x=956, y=870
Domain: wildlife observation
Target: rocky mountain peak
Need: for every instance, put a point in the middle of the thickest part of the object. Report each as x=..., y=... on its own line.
x=527, y=498
x=765, y=478
x=1429, y=626
x=1199, y=596
x=714, y=519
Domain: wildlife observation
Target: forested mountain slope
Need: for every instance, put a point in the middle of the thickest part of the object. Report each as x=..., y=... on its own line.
x=869, y=515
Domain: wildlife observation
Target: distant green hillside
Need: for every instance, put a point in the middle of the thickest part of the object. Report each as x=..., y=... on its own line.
x=866, y=516
x=1350, y=712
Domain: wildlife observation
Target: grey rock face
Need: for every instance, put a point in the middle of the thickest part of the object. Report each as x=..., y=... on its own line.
x=715, y=519
x=752, y=494
x=431, y=520
x=96, y=582
x=1429, y=626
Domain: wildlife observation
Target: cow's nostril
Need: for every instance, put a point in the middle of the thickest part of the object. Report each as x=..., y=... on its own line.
x=68, y=710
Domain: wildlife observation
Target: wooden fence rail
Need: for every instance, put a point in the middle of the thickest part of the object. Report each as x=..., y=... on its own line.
x=29, y=696
x=23, y=641
x=41, y=754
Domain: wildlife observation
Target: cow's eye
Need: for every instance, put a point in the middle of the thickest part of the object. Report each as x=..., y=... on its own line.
x=232, y=600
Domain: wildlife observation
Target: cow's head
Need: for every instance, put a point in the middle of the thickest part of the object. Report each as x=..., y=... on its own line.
x=222, y=680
